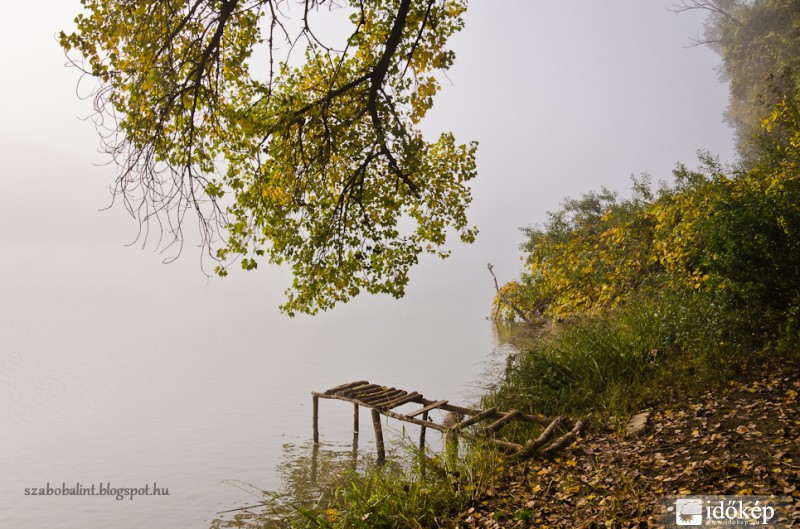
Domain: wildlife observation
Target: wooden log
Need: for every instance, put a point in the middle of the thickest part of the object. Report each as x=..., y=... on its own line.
x=315, y=414
x=362, y=390
x=314, y=458
x=346, y=386
x=414, y=420
x=372, y=394
x=502, y=421
x=548, y=432
x=376, y=424
x=475, y=419
x=354, y=453
x=399, y=416
x=533, y=446
x=422, y=432
x=506, y=446
x=399, y=401
x=355, y=418
x=384, y=396
x=460, y=409
x=389, y=397
x=451, y=447
x=565, y=440
x=426, y=409
x=534, y=419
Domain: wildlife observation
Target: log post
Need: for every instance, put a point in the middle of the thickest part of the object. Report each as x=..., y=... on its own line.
x=422, y=433
x=354, y=452
x=315, y=412
x=314, y=457
x=355, y=418
x=451, y=421
x=376, y=424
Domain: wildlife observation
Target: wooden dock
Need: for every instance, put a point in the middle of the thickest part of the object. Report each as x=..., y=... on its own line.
x=461, y=421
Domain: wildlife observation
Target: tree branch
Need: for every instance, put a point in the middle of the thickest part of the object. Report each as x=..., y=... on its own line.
x=507, y=301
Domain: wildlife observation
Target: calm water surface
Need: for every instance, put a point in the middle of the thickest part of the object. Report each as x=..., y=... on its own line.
x=128, y=376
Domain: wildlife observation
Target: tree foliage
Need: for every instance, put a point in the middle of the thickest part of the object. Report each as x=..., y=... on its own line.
x=284, y=146
x=759, y=43
x=731, y=234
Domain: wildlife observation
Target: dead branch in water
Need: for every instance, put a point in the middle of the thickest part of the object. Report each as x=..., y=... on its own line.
x=505, y=300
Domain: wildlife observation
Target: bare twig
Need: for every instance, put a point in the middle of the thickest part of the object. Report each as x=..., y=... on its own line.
x=507, y=301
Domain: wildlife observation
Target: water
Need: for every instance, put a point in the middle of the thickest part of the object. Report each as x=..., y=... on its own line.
x=121, y=371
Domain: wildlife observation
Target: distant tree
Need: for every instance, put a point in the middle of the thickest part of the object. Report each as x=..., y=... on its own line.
x=281, y=144
x=759, y=43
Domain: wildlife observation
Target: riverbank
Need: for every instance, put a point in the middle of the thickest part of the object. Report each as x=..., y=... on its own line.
x=737, y=438
x=740, y=440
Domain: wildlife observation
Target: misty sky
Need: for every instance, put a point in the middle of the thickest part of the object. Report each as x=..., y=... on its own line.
x=563, y=97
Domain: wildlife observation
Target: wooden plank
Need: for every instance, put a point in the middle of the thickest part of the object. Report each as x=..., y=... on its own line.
x=367, y=398
x=460, y=410
x=374, y=400
x=380, y=399
x=388, y=397
x=413, y=420
x=427, y=408
x=360, y=389
x=505, y=446
x=379, y=391
x=533, y=446
x=401, y=400
x=346, y=386
x=534, y=419
x=475, y=419
x=375, y=397
x=366, y=393
x=502, y=421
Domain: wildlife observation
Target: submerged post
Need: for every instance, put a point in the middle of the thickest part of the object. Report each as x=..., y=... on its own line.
x=315, y=412
x=376, y=424
x=451, y=421
x=354, y=453
x=422, y=433
x=314, y=457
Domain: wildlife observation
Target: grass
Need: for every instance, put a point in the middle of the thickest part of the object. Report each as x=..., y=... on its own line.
x=618, y=362
x=414, y=492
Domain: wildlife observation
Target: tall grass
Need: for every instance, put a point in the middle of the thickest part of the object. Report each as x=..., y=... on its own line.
x=412, y=492
x=661, y=343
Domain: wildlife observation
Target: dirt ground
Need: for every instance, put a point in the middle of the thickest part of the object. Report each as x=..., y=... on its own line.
x=743, y=440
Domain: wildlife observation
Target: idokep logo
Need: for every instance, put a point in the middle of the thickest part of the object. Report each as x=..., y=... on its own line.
x=689, y=511
x=714, y=511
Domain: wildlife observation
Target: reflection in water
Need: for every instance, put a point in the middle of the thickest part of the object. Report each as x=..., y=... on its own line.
x=517, y=337
x=310, y=473
x=510, y=339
